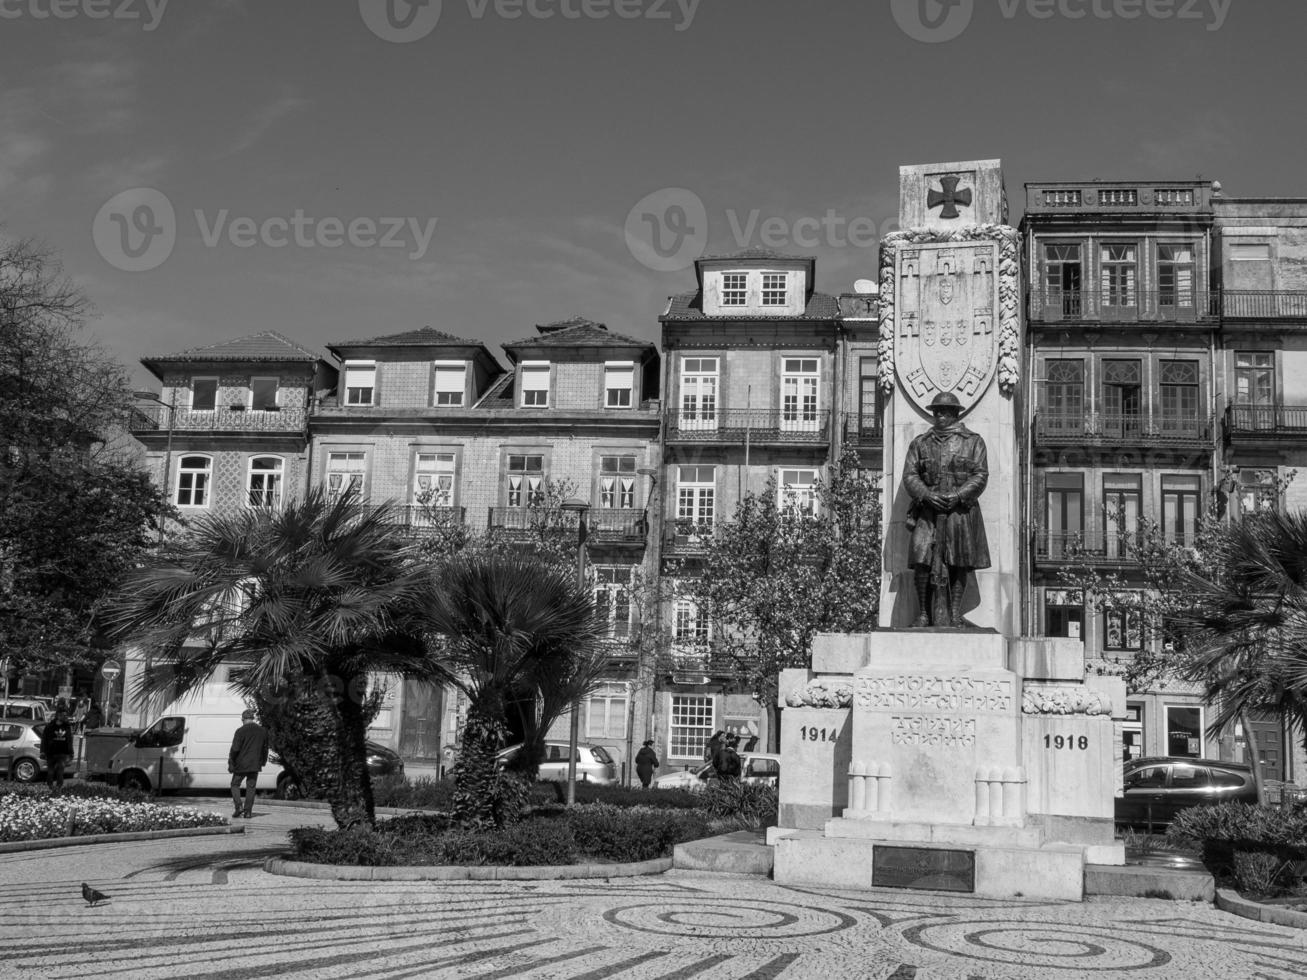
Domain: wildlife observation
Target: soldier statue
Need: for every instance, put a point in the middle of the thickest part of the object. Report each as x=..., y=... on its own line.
x=945, y=472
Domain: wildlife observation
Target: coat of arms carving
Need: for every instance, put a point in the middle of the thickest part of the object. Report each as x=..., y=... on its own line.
x=946, y=306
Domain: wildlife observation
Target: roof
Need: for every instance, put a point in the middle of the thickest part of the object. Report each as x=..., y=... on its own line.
x=578, y=333
x=766, y=254
x=571, y=321
x=689, y=306
x=426, y=337
x=266, y=345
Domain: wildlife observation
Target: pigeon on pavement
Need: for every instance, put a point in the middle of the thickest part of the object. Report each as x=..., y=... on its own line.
x=91, y=895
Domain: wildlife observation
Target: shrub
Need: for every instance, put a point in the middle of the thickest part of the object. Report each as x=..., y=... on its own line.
x=633, y=833
x=531, y=842
x=1257, y=871
x=752, y=804
x=663, y=799
x=356, y=845
x=423, y=793
x=1241, y=827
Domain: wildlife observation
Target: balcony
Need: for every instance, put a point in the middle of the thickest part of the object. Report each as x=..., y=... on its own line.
x=528, y=522
x=1060, y=548
x=1123, y=306
x=863, y=431
x=1181, y=432
x=737, y=426
x=229, y=418
x=420, y=519
x=1263, y=304
x=616, y=526
x=1265, y=421
x=686, y=537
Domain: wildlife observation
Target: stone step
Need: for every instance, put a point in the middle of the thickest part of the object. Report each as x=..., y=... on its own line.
x=1149, y=881
x=742, y=852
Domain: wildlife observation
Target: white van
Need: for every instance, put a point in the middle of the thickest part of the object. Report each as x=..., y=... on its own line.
x=187, y=747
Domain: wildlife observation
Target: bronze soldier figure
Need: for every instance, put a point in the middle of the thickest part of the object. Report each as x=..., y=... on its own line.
x=945, y=472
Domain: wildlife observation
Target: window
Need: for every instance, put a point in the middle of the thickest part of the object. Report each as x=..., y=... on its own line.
x=612, y=592
x=1118, y=265
x=263, y=394
x=1184, y=730
x=345, y=473
x=617, y=483
x=690, y=626
x=535, y=384
x=1063, y=612
x=869, y=397
x=1122, y=507
x=1174, y=196
x=1254, y=389
x=204, y=394
x=1132, y=732
x=1258, y=491
x=193, y=477
x=734, y=289
x=360, y=382
x=1180, y=508
x=606, y=711
x=1064, y=396
x=1064, y=499
x=799, y=387
x=691, y=726
x=451, y=383
x=1179, y=390
x=797, y=491
x=773, y=289
x=265, y=481
x=1122, y=416
x=619, y=384
x=1062, y=198
x=433, y=479
x=698, y=394
x=1062, y=279
x=1175, y=275
x=526, y=481
x=696, y=489
x=1123, y=629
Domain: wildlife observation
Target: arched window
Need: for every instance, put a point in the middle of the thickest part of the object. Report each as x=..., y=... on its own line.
x=194, y=476
x=265, y=481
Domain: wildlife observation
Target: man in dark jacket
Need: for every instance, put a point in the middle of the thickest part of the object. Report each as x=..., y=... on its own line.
x=646, y=761
x=727, y=760
x=249, y=754
x=57, y=747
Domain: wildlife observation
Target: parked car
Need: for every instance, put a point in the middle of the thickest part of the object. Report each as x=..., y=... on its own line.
x=1156, y=789
x=382, y=761
x=20, y=750
x=593, y=763
x=28, y=709
x=755, y=767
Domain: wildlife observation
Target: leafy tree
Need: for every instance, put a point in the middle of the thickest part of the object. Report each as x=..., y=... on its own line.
x=310, y=601
x=75, y=512
x=517, y=635
x=774, y=577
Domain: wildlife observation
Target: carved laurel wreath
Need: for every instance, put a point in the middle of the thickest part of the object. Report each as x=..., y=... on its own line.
x=1009, y=296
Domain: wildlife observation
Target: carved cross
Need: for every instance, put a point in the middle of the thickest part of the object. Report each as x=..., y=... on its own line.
x=948, y=197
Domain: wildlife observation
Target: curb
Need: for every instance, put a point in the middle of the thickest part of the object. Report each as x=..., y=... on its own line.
x=385, y=811
x=10, y=847
x=485, y=872
x=1228, y=900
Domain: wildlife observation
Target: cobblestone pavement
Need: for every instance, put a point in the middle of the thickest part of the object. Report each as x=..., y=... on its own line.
x=203, y=908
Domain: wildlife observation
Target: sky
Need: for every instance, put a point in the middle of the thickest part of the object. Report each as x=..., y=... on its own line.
x=341, y=169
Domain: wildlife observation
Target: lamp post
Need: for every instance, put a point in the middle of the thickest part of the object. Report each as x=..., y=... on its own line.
x=579, y=507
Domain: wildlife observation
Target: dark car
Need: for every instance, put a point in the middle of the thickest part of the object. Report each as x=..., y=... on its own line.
x=381, y=762
x=1156, y=789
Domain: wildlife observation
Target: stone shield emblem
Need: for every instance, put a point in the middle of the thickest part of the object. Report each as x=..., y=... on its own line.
x=946, y=311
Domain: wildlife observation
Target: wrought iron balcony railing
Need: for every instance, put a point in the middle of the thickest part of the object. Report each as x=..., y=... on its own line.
x=864, y=430
x=533, y=520
x=1266, y=420
x=741, y=425
x=225, y=418
x=1057, y=428
x=427, y=519
x=1090, y=547
x=1263, y=304
x=686, y=536
x=1124, y=305
x=616, y=525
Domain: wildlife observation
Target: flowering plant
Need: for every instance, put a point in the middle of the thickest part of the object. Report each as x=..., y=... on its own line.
x=26, y=816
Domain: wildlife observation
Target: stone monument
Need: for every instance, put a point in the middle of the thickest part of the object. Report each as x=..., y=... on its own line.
x=962, y=756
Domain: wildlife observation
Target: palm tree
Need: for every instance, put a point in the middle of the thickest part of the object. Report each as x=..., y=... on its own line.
x=519, y=636
x=310, y=601
x=1244, y=623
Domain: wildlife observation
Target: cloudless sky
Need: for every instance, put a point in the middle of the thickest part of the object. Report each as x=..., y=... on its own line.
x=530, y=140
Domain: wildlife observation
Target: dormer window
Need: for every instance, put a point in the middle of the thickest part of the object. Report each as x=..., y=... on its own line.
x=773, y=289
x=735, y=288
x=535, y=384
x=619, y=384
x=360, y=382
x=450, y=382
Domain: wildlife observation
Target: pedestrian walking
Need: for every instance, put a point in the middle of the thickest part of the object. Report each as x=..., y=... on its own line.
x=80, y=707
x=57, y=747
x=249, y=754
x=646, y=761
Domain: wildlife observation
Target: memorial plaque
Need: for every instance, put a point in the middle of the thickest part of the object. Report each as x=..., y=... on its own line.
x=925, y=868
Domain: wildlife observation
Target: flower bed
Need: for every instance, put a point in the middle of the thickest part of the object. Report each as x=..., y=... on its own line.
x=34, y=814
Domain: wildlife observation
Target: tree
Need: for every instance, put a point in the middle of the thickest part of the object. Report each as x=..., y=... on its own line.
x=519, y=636
x=775, y=576
x=309, y=602
x=75, y=512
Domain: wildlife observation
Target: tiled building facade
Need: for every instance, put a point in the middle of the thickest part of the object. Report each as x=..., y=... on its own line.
x=1165, y=373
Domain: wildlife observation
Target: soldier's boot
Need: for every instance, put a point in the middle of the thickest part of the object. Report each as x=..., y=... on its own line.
x=955, y=591
x=921, y=580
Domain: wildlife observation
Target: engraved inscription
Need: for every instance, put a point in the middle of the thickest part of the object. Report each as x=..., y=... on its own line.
x=924, y=692
x=933, y=730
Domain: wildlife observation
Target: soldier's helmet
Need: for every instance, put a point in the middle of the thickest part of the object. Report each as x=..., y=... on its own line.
x=946, y=399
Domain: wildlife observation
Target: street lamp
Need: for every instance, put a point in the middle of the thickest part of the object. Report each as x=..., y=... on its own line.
x=580, y=508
